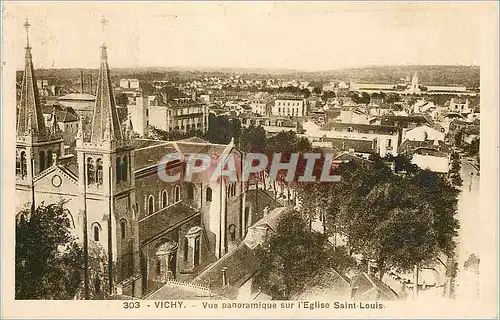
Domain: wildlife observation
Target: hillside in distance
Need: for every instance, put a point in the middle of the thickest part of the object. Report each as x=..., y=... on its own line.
x=428, y=75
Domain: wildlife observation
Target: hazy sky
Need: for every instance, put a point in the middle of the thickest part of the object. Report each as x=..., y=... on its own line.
x=312, y=36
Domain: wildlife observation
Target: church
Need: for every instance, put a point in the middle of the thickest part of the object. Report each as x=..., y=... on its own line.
x=152, y=231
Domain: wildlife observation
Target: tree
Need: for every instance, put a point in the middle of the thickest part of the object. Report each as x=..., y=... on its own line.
x=121, y=99
x=396, y=219
x=49, y=260
x=221, y=129
x=39, y=237
x=458, y=138
x=291, y=257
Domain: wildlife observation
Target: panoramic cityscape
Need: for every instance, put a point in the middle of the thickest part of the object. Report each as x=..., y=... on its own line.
x=96, y=219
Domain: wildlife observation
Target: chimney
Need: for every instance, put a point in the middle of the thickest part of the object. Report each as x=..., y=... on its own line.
x=91, y=89
x=266, y=211
x=81, y=81
x=224, y=276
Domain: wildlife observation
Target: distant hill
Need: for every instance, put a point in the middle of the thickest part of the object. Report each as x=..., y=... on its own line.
x=428, y=75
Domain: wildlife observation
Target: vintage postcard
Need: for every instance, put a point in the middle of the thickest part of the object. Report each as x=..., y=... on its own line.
x=249, y=159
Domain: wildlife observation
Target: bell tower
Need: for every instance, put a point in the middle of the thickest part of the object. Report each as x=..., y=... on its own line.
x=37, y=147
x=107, y=184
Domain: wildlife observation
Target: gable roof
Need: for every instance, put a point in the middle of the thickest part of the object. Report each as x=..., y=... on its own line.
x=365, y=284
x=241, y=263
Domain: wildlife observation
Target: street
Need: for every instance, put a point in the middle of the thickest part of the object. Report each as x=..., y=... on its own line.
x=466, y=282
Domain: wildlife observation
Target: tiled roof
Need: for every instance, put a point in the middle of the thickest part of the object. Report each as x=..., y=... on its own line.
x=362, y=127
x=241, y=264
x=163, y=220
x=409, y=146
x=363, y=146
x=151, y=153
x=402, y=121
x=365, y=283
x=327, y=285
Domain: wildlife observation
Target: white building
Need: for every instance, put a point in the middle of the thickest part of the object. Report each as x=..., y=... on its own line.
x=289, y=107
x=423, y=133
x=385, y=139
x=460, y=105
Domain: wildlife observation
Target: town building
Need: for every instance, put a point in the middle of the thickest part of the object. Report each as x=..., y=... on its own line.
x=177, y=114
x=289, y=107
x=460, y=105
x=383, y=140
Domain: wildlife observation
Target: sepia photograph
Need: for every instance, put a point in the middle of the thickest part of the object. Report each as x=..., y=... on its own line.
x=281, y=159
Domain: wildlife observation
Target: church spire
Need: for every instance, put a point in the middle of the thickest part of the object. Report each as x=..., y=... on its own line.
x=105, y=113
x=29, y=114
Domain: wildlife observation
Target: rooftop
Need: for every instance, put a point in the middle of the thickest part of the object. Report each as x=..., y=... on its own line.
x=163, y=221
x=78, y=96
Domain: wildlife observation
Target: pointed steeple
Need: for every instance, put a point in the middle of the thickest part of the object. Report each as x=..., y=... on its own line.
x=29, y=111
x=105, y=108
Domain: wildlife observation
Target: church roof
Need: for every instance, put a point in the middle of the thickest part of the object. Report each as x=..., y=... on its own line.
x=163, y=221
x=151, y=152
x=105, y=121
x=29, y=112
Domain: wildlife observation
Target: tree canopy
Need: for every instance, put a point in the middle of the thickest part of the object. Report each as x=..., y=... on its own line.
x=398, y=219
x=291, y=258
x=49, y=262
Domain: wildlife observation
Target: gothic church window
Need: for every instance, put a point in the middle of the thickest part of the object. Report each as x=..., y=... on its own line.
x=232, y=232
x=24, y=164
x=42, y=160
x=164, y=199
x=118, y=170
x=99, y=171
x=90, y=171
x=209, y=194
x=151, y=204
x=18, y=166
x=96, y=228
x=123, y=228
x=124, y=168
x=177, y=193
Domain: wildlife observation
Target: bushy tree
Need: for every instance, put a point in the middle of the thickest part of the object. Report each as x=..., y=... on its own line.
x=49, y=262
x=399, y=220
x=291, y=258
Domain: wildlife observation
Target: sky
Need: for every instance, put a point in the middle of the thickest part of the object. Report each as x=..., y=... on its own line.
x=293, y=35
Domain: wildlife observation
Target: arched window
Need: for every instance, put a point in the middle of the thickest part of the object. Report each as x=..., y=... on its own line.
x=209, y=194
x=49, y=158
x=164, y=198
x=70, y=221
x=24, y=164
x=158, y=266
x=118, y=170
x=99, y=171
x=151, y=204
x=123, y=228
x=232, y=232
x=190, y=191
x=177, y=193
x=96, y=229
x=42, y=160
x=90, y=171
x=124, y=168
x=18, y=165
